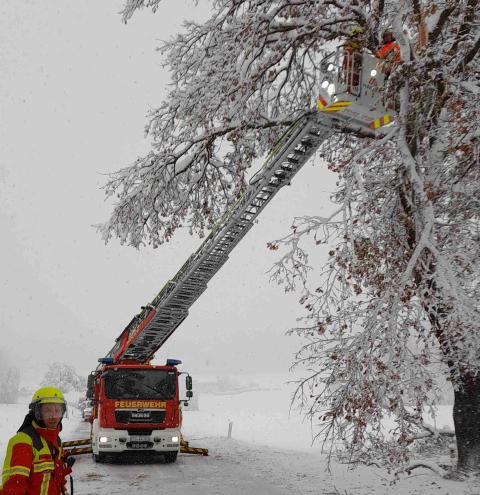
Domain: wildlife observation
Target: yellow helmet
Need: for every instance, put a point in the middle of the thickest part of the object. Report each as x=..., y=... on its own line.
x=47, y=395
x=356, y=31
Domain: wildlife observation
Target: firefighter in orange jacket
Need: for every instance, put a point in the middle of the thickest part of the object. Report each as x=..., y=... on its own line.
x=389, y=52
x=34, y=464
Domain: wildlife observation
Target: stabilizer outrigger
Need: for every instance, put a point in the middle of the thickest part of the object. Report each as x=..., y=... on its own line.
x=79, y=447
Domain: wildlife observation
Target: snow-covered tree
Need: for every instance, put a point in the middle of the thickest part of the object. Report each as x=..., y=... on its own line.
x=398, y=299
x=64, y=377
x=9, y=380
x=9, y=385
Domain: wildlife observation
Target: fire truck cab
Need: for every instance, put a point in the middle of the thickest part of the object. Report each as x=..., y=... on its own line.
x=136, y=409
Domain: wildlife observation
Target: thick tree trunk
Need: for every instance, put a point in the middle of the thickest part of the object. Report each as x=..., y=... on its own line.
x=466, y=417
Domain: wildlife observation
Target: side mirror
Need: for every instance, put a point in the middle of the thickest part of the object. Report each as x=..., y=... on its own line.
x=189, y=394
x=90, y=385
x=188, y=383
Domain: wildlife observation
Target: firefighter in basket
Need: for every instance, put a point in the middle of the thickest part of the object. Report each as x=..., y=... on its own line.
x=389, y=52
x=352, y=59
x=34, y=464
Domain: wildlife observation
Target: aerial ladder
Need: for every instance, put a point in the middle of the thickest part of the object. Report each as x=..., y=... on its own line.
x=349, y=100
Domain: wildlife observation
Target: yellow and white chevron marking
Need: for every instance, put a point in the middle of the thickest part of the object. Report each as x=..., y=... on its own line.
x=384, y=120
x=74, y=443
x=186, y=449
x=77, y=451
x=336, y=106
x=194, y=450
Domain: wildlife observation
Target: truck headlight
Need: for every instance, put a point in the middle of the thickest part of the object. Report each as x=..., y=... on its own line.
x=103, y=439
x=324, y=84
x=174, y=439
x=331, y=89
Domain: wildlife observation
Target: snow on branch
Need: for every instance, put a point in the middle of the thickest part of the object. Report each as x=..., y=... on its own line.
x=395, y=305
x=238, y=80
x=423, y=464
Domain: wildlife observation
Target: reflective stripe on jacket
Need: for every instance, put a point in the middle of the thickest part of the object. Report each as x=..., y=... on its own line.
x=31, y=469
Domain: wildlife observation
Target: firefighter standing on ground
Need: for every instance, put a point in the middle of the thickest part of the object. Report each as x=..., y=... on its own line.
x=34, y=464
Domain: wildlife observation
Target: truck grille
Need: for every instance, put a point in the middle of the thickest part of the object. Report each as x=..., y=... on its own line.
x=127, y=417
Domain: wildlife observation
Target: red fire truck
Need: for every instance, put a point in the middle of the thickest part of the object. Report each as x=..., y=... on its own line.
x=136, y=406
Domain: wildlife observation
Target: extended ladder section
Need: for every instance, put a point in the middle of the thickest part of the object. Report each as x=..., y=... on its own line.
x=339, y=110
x=147, y=332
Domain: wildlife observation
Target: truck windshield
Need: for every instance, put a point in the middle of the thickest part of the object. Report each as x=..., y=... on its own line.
x=140, y=384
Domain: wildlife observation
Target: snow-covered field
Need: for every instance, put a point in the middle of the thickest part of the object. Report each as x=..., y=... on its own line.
x=269, y=452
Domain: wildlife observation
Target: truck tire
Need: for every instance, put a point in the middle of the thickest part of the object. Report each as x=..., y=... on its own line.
x=99, y=458
x=170, y=457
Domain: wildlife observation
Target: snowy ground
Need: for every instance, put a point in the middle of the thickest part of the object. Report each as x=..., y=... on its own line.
x=269, y=453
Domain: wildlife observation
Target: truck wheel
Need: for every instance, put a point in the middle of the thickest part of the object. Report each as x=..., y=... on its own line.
x=170, y=457
x=99, y=457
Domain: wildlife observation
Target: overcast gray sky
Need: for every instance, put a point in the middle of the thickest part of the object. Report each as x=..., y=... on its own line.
x=76, y=84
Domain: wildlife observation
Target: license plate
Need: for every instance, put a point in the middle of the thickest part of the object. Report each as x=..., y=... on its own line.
x=137, y=438
x=139, y=445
